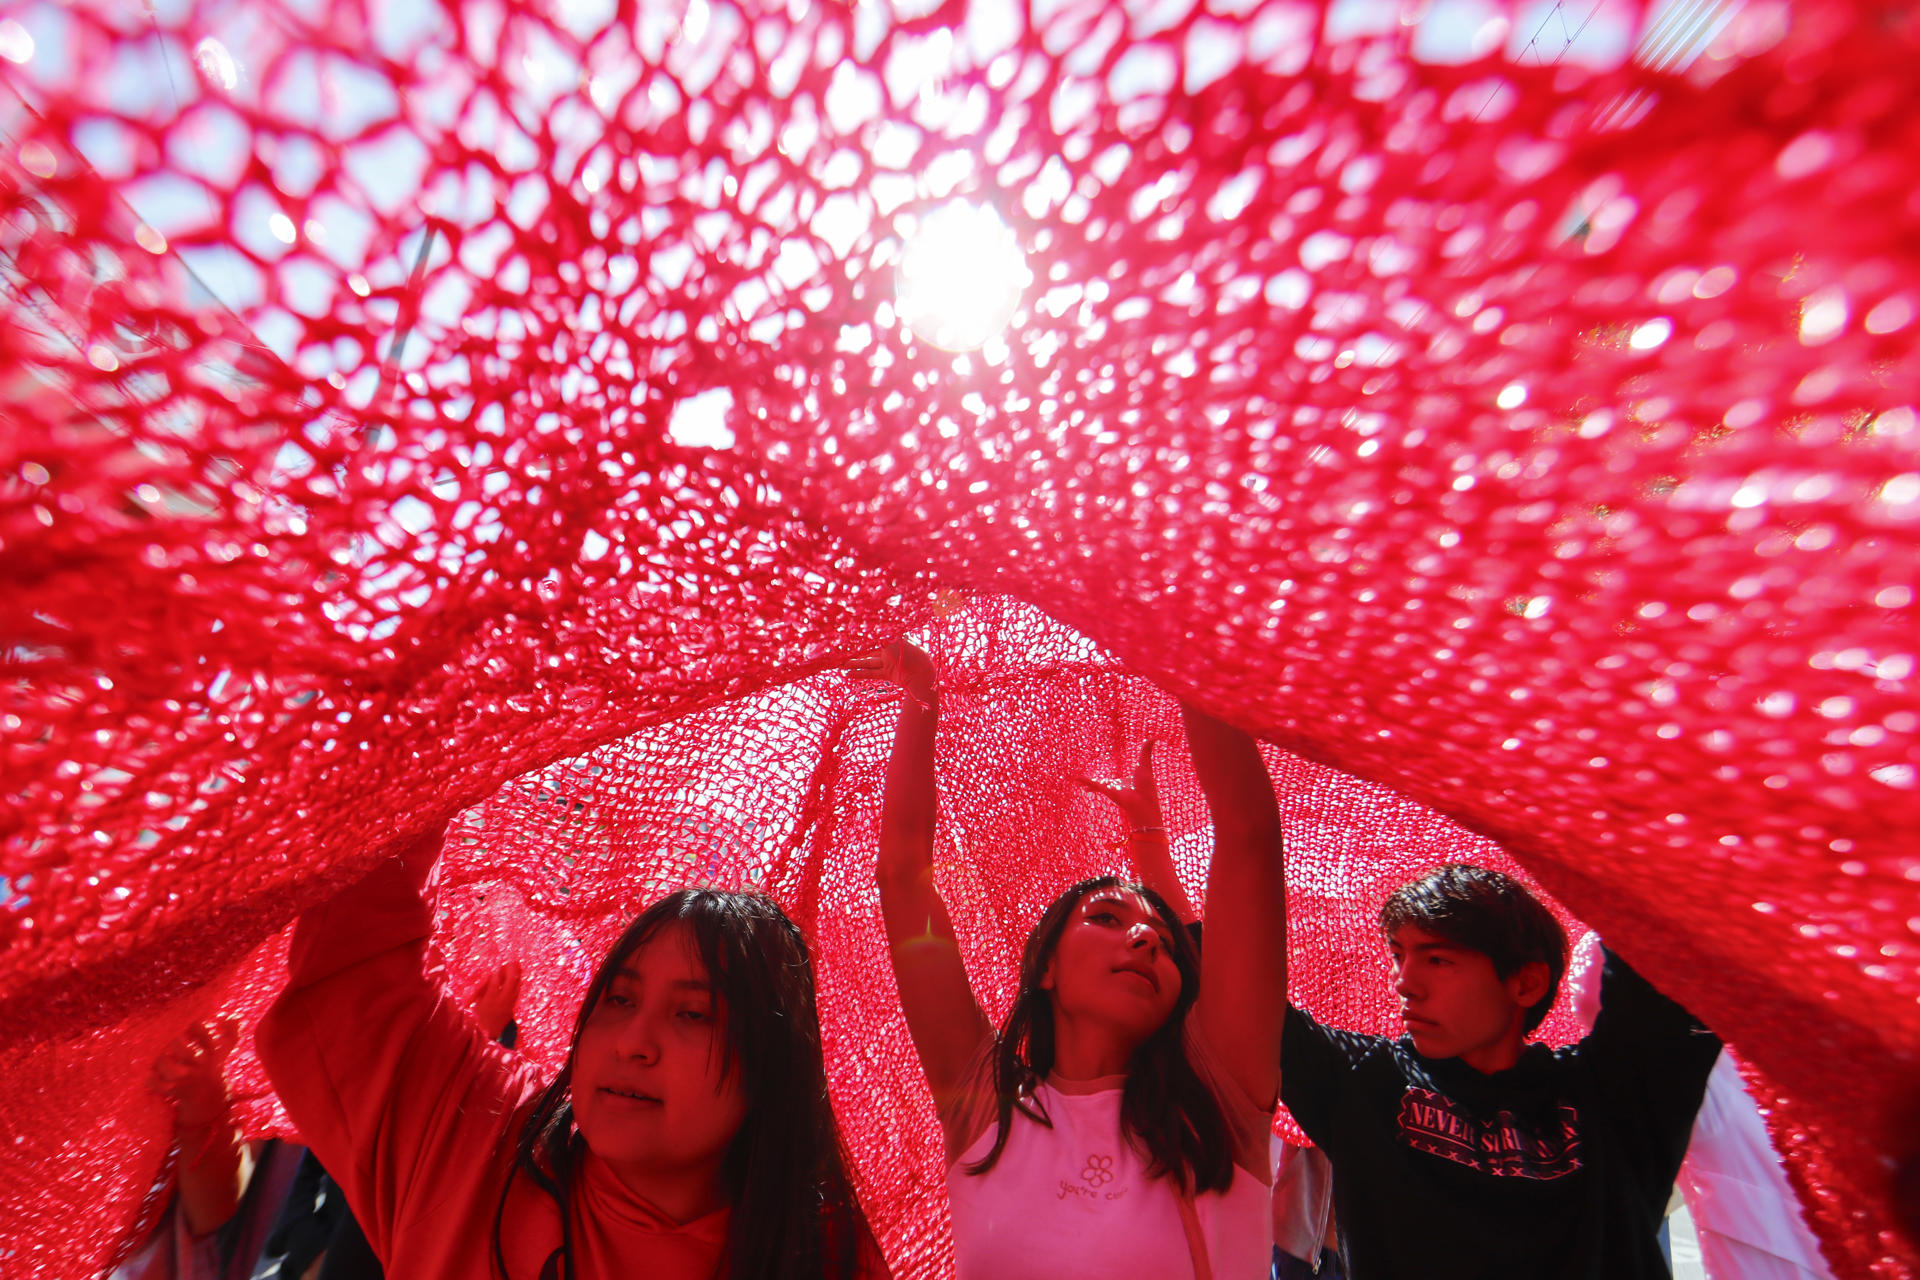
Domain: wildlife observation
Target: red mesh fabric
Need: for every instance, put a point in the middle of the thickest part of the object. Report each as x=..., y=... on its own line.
x=1517, y=435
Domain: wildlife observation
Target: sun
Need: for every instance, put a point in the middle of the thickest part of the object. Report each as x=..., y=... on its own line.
x=960, y=277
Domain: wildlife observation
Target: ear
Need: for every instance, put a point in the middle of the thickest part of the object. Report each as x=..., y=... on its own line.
x=1046, y=976
x=1529, y=983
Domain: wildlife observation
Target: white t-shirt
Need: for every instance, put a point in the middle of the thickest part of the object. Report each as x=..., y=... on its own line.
x=1074, y=1201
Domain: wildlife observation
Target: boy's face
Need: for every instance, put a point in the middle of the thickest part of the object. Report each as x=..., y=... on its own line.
x=1455, y=1005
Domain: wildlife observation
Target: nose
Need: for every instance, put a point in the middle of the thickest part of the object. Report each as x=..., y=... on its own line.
x=1403, y=983
x=1143, y=935
x=639, y=1039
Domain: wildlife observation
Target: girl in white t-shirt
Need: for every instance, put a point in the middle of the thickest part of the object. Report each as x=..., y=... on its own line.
x=1101, y=1130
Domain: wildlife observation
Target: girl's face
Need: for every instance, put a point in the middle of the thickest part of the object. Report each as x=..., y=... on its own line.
x=651, y=1092
x=1114, y=964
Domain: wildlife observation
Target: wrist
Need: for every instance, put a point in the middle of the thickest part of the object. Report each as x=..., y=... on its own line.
x=201, y=1126
x=197, y=1142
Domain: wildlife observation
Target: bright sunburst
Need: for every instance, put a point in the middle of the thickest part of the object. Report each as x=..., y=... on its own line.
x=960, y=278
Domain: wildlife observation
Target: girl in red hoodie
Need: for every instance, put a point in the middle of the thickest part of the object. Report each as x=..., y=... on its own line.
x=688, y=1136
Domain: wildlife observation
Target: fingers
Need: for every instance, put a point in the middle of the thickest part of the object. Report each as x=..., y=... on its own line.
x=1144, y=784
x=199, y=1040
x=223, y=1035
x=167, y=1074
x=182, y=1053
x=502, y=984
x=874, y=667
x=1106, y=789
x=888, y=663
x=189, y=1073
x=203, y=1047
x=179, y=1053
x=196, y=1050
x=494, y=999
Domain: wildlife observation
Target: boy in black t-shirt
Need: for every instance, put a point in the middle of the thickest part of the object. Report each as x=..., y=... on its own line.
x=1459, y=1151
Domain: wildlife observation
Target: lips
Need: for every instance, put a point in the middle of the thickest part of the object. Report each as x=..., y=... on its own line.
x=1144, y=971
x=637, y=1096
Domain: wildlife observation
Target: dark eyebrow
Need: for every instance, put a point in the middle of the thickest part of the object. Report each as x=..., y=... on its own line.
x=1125, y=903
x=632, y=974
x=1114, y=897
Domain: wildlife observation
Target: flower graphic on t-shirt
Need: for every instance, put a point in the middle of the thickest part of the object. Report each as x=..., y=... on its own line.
x=1099, y=1171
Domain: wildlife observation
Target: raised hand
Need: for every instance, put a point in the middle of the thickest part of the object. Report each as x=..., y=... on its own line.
x=1138, y=802
x=943, y=1018
x=191, y=1074
x=902, y=663
x=494, y=999
x=1147, y=845
x=214, y=1163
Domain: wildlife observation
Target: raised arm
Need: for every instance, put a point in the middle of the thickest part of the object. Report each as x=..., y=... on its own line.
x=1243, y=990
x=1147, y=844
x=215, y=1162
x=943, y=1017
x=388, y=1079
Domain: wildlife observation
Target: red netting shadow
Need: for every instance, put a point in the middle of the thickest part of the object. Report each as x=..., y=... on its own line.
x=400, y=400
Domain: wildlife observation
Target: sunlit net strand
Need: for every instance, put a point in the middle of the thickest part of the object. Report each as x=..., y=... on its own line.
x=1591, y=517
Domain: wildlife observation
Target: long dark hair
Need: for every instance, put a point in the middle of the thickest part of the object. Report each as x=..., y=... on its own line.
x=1167, y=1112
x=785, y=1172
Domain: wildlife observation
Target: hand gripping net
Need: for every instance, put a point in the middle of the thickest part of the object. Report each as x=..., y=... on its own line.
x=500, y=408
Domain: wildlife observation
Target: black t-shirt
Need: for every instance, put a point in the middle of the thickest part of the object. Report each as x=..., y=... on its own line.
x=1558, y=1169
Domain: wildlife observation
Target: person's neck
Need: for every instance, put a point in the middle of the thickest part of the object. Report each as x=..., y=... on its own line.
x=679, y=1194
x=1088, y=1051
x=1499, y=1055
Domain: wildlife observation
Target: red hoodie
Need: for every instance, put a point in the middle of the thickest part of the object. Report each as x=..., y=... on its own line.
x=415, y=1113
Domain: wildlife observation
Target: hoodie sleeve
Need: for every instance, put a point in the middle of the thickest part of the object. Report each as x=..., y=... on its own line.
x=394, y=1088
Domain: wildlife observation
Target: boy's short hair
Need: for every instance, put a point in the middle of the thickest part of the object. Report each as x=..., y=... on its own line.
x=1487, y=912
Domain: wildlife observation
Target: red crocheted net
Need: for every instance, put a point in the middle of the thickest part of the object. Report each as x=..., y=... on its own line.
x=1508, y=434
